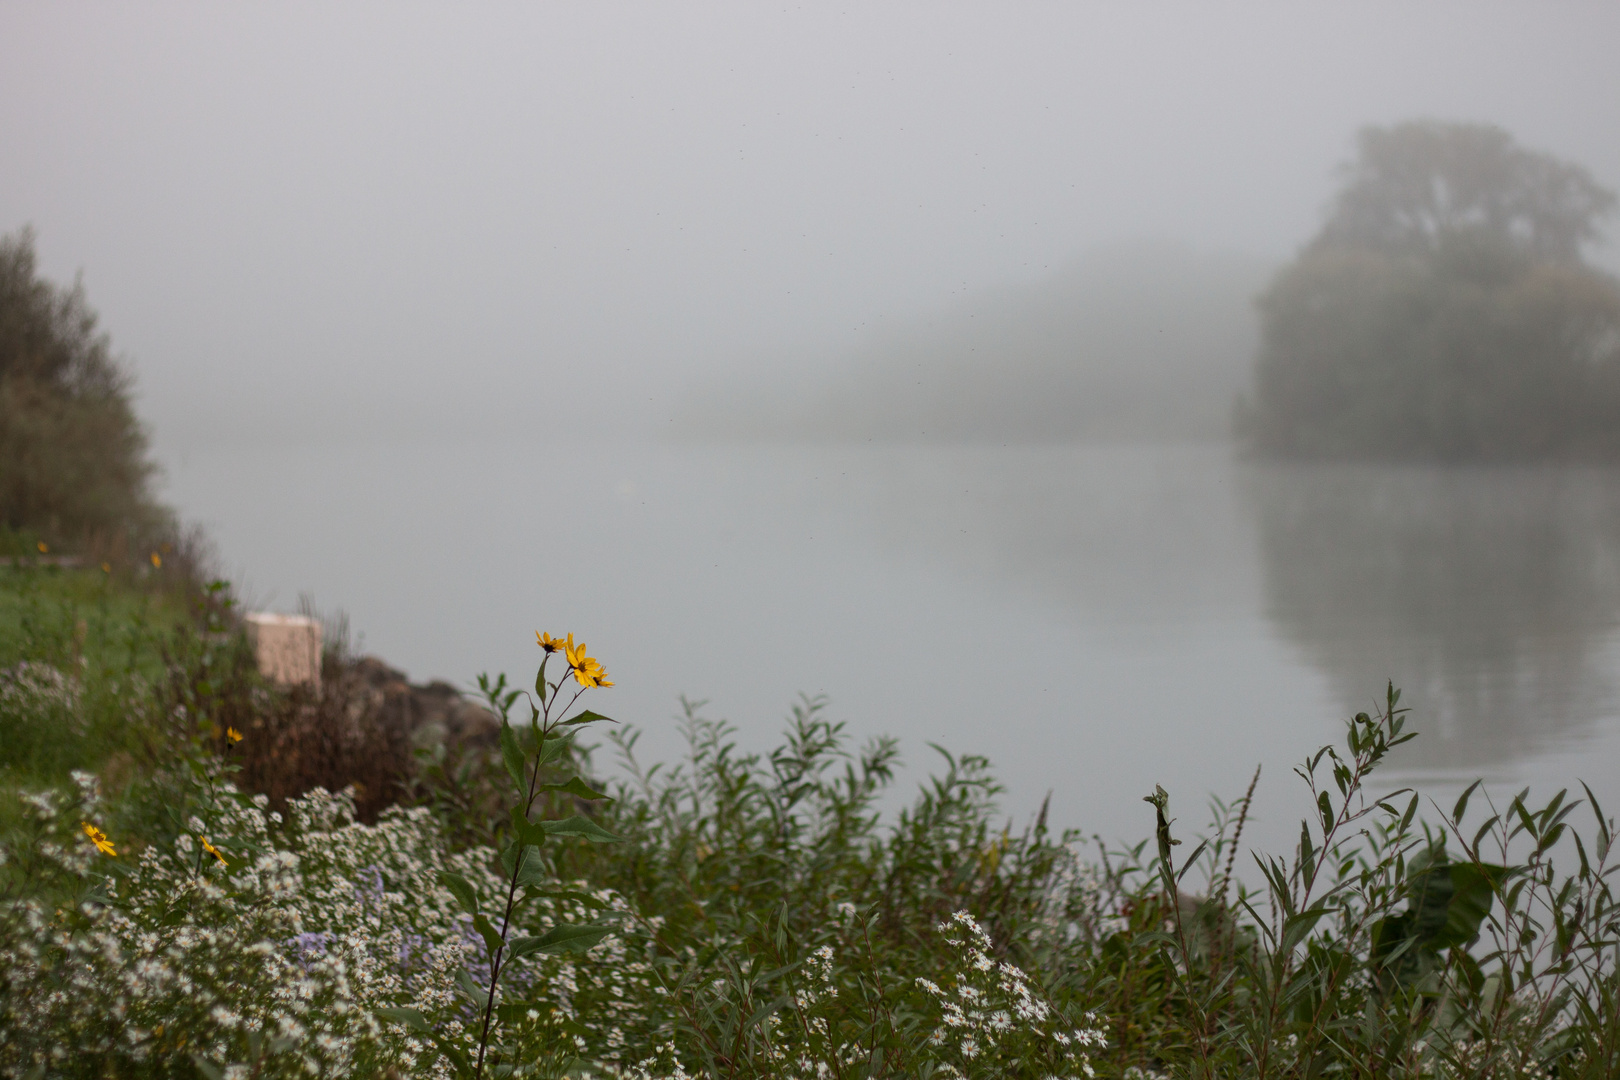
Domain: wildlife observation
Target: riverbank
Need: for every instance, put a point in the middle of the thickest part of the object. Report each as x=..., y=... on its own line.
x=752, y=913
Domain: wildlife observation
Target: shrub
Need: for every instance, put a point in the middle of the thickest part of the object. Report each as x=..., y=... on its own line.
x=72, y=455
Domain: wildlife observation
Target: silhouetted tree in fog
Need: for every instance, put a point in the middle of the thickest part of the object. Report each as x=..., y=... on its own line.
x=1444, y=311
x=72, y=455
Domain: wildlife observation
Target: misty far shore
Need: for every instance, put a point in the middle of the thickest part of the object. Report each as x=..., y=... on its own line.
x=1147, y=341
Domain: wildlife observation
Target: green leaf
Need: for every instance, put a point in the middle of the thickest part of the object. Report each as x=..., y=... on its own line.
x=1190, y=860
x=1462, y=802
x=512, y=755
x=1153, y=937
x=576, y=786
x=1473, y=888
x=564, y=937
x=411, y=1018
x=580, y=826
x=513, y=1012
x=540, y=678
x=1298, y=926
x=1411, y=812
x=1597, y=812
x=1446, y=903
x=533, y=870
x=551, y=749
x=478, y=995
x=1307, y=852
x=586, y=717
x=529, y=832
x=462, y=889
x=569, y=894
x=492, y=940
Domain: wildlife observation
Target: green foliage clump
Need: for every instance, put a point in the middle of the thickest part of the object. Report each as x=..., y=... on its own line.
x=1444, y=311
x=73, y=458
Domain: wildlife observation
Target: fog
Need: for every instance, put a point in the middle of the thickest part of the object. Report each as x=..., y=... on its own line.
x=1132, y=341
x=348, y=221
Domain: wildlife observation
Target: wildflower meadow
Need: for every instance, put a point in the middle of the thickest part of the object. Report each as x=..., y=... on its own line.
x=545, y=903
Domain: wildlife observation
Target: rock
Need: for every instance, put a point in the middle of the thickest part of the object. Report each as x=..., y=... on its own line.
x=425, y=714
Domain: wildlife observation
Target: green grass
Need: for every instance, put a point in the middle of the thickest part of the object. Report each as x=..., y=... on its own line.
x=80, y=651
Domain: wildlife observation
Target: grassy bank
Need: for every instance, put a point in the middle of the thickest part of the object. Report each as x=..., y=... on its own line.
x=172, y=907
x=79, y=647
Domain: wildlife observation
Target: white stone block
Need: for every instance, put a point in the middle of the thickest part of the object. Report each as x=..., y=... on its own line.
x=287, y=647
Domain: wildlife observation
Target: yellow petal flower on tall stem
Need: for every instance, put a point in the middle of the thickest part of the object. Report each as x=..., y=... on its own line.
x=99, y=838
x=212, y=850
x=549, y=643
x=233, y=735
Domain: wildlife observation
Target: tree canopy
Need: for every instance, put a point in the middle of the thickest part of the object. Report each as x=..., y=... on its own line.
x=72, y=454
x=1445, y=310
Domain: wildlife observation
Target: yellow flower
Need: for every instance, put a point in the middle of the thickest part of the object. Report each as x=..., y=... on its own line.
x=98, y=838
x=212, y=850
x=157, y=560
x=592, y=676
x=587, y=671
x=106, y=568
x=549, y=643
x=42, y=548
x=233, y=735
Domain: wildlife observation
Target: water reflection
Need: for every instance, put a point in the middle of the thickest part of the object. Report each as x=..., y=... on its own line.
x=1125, y=535
x=1488, y=595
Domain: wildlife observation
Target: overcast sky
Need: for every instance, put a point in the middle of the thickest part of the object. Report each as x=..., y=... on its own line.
x=352, y=218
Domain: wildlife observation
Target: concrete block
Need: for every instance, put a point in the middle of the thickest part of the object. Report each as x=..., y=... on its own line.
x=287, y=647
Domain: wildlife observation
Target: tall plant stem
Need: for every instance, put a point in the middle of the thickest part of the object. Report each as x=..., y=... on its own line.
x=544, y=728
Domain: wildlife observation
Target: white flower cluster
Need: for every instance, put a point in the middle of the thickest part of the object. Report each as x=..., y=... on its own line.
x=990, y=1023
x=34, y=683
x=40, y=692
x=992, y=1019
x=803, y=1043
x=255, y=942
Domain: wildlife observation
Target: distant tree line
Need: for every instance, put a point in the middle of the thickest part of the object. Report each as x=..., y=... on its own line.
x=1444, y=311
x=73, y=456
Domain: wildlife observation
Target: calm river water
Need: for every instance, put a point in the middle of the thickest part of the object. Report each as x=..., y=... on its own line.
x=1095, y=619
